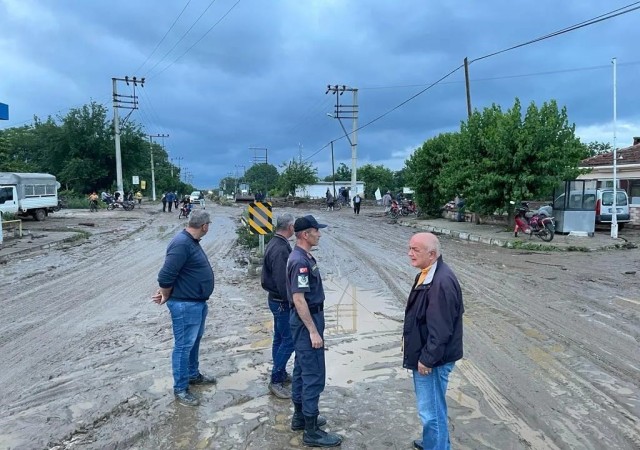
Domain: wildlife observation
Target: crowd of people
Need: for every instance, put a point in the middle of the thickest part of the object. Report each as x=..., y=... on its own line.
x=432, y=330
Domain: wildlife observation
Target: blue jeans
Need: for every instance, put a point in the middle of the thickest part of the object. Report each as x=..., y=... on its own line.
x=432, y=406
x=282, y=347
x=188, y=327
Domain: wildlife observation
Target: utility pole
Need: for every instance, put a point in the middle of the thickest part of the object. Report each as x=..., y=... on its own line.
x=299, y=153
x=333, y=171
x=178, y=158
x=153, y=167
x=126, y=102
x=614, y=216
x=466, y=80
x=348, y=112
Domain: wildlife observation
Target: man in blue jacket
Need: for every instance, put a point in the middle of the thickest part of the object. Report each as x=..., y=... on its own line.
x=432, y=337
x=186, y=283
x=274, y=281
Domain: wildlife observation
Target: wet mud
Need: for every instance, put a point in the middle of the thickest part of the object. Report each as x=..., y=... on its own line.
x=551, y=356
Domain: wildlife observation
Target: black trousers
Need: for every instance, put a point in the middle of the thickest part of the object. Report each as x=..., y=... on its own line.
x=356, y=208
x=309, y=371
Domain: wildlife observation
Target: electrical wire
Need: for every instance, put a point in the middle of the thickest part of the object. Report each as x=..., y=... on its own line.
x=163, y=37
x=203, y=36
x=182, y=37
x=606, y=16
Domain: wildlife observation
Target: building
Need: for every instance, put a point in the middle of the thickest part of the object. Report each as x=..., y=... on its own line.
x=627, y=173
x=319, y=189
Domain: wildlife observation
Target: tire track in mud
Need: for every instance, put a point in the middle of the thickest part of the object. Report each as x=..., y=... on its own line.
x=74, y=348
x=503, y=298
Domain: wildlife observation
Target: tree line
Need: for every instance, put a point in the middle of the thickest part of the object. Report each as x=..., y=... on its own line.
x=79, y=149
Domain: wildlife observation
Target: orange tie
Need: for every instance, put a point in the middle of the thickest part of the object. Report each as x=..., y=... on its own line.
x=423, y=275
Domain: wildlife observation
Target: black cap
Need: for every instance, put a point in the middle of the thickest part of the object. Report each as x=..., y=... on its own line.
x=306, y=222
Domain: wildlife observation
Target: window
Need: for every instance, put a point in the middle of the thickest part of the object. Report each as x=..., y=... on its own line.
x=6, y=195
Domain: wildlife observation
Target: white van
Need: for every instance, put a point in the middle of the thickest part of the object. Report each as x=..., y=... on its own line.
x=604, y=206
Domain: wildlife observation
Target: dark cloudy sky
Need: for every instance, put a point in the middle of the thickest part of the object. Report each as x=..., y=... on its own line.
x=258, y=77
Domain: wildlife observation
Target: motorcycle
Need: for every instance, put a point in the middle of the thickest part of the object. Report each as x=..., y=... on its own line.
x=538, y=223
x=126, y=205
x=185, y=211
x=409, y=207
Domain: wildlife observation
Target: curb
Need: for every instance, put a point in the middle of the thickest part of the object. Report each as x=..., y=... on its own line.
x=506, y=243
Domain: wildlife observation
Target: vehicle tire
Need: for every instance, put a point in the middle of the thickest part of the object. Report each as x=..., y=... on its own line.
x=110, y=206
x=393, y=214
x=548, y=233
x=337, y=206
x=39, y=214
x=128, y=206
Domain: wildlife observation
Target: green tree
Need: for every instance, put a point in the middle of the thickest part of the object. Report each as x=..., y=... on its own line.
x=296, y=174
x=228, y=185
x=597, y=148
x=343, y=173
x=502, y=156
x=423, y=168
x=262, y=177
x=375, y=177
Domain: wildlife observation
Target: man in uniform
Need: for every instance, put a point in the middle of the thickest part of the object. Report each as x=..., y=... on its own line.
x=306, y=295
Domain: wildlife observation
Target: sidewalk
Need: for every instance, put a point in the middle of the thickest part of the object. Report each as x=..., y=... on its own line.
x=500, y=236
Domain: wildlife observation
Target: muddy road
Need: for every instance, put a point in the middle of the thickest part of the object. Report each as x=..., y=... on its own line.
x=552, y=343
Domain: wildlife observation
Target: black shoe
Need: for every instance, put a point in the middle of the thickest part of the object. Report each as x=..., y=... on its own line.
x=297, y=421
x=315, y=437
x=186, y=398
x=202, y=379
x=418, y=444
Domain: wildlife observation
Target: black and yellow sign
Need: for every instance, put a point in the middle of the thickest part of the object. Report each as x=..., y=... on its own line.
x=260, y=217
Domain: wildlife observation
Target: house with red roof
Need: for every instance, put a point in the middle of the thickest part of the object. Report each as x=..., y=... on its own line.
x=627, y=173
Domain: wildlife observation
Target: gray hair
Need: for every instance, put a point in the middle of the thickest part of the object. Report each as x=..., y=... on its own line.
x=283, y=221
x=198, y=217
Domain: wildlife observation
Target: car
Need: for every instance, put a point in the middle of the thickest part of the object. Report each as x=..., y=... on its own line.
x=195, y=196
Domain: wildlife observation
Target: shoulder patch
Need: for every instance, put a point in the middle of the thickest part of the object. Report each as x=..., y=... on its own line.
x=303, y=270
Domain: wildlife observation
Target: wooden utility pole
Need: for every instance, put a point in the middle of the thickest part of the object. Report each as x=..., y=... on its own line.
x=466, y=80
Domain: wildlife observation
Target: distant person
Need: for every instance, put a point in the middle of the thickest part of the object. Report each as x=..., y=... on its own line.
x=176, y=199
x=345, y=196
x=432, y=337
x=117, y=196
x=139, y=197
x=164, y=202
x=186, y=282
x=330, y=202
x=306, y=294
x=130, y=196
x=171, y=198
x=201, y=200
x=274, y=281
x=93, y=201
x=386, y=202
x=357, y=201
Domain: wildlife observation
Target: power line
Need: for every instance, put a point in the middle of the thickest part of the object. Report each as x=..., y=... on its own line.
x=506, y=77
x=592, y=21
x=203, y=36
x=163, y=37
x=182, y=37
x=597, y=19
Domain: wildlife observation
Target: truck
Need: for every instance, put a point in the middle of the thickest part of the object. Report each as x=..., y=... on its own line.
x=28, y=194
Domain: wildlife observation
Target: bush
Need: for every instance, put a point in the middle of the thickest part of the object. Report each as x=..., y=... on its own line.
x=246, y=239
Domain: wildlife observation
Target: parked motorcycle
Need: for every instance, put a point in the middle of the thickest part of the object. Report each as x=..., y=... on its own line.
x=409, y=207
x=538, y=223
x=126, y=205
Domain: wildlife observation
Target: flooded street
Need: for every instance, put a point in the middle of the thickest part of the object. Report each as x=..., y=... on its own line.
x=551, y=343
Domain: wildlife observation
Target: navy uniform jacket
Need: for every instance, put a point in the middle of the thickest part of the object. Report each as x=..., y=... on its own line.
x=433, y=321
x=303, y=275
x=274, y=268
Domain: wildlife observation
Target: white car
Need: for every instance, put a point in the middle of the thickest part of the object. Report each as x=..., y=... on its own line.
x=195, y=196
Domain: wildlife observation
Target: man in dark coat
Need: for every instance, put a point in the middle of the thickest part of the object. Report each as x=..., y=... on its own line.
x=432, y=337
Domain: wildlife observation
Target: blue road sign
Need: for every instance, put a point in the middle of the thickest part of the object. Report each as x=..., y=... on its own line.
x=4, y=111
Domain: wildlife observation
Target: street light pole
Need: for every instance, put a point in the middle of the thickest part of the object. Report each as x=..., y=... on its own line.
x=333, y=171
x=614, y=213
x=153, y=166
